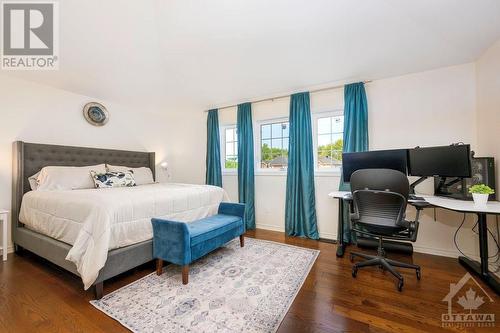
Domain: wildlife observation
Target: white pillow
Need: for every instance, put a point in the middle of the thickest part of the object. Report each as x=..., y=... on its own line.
x=142, y=175
x=33, y=181
x=67, y=178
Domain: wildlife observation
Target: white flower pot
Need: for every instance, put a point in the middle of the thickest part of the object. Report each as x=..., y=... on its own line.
x=480, y=199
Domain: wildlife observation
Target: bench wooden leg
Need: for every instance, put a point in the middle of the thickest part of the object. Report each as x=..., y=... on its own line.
x=185, y=274
x=242, y=240
x=159, y=266
x=98, y=290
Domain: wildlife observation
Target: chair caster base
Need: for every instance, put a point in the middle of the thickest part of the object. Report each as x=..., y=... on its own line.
x=400, y=285
x=386, y=265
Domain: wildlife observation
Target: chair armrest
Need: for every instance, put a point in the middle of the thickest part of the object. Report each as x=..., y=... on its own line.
x=234, y=209
x=171, y=241
x=414, y=229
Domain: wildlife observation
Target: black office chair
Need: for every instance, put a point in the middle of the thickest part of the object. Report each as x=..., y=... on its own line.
x=379, y=203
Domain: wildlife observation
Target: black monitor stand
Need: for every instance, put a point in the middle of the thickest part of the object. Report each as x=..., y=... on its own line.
x=415, y=183
x=443, y=186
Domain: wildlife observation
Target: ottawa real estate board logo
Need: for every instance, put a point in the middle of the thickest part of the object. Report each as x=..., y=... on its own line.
x=465, y=301
x=30, y=35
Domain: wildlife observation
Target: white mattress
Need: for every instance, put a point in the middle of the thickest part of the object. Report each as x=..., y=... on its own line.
x=95, y=221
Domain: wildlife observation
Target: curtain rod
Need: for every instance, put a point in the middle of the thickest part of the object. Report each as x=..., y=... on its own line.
x=285, y=96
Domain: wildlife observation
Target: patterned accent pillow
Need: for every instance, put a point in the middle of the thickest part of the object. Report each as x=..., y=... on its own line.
x=142, y=175
x=113, y=179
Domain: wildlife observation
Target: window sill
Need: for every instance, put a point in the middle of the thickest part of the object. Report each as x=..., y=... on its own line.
x=322, y=173
x=278, y=173
x=326, y=173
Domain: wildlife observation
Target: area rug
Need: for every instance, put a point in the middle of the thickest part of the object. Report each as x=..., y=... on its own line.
x=232, y=289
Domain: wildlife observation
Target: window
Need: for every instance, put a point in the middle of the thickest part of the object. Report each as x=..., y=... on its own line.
x=329, y=140
x=274, y=145
x=230, y=145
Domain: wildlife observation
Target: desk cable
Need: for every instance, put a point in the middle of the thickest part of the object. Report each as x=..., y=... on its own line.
x=495, y=239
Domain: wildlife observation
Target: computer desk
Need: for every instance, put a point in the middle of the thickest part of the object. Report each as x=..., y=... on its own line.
x=464, y=206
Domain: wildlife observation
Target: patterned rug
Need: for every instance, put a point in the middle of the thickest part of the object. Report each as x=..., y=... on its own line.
x=232, y=289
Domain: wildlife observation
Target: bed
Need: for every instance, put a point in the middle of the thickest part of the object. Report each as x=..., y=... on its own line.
x=96, y=233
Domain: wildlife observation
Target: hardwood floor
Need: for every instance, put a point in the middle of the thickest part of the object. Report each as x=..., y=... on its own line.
x=36, y=296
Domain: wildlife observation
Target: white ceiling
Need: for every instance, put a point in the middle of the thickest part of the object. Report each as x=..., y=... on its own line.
x=182, y=55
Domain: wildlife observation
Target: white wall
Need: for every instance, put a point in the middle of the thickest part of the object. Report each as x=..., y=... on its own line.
x=37, y=113
x=488, y=111
x=430, y=108
x=424, y=109
x=488, y=105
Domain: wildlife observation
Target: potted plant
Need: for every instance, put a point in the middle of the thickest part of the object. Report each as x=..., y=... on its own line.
x=480, y=193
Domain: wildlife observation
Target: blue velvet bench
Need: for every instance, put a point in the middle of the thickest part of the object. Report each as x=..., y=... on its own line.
x=182, y=243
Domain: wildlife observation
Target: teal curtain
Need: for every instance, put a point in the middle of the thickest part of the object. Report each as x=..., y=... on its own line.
x=213, y=174
x=246, y=180
x=300, y=210
x=355, y=137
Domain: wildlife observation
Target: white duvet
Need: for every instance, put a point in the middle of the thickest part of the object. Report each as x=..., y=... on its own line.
x=95, y=221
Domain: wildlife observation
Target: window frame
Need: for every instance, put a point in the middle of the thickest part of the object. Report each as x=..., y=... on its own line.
x=315, y=117
x=258, y=149
x=222, y=135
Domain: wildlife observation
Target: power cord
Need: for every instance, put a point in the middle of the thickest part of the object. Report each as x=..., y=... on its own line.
x=498, y=229
x=495, y=239
x=455, y=238
x=498, y=238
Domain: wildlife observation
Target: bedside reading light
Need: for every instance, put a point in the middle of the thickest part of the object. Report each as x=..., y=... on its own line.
x=164, y=168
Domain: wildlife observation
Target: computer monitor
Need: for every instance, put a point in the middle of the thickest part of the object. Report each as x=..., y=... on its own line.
x=442, y=161
x=394, y=159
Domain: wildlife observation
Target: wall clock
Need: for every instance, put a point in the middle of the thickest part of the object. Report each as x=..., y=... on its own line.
x=95, y=113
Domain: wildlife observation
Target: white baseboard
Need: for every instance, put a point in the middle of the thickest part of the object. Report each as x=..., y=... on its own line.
x=416, y=248
x=437, y=252
x=451, y=254
x=271, y=227
x=10, y=249
x=327, y=235
x=332, y=236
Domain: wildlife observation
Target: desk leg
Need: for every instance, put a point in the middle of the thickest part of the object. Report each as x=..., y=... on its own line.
x=340, y=232
x=481, y=268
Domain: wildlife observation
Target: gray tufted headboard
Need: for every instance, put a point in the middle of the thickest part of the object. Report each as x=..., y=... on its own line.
x=29, y=158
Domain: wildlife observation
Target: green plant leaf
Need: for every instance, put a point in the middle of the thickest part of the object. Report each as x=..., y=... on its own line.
x=481, y=189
